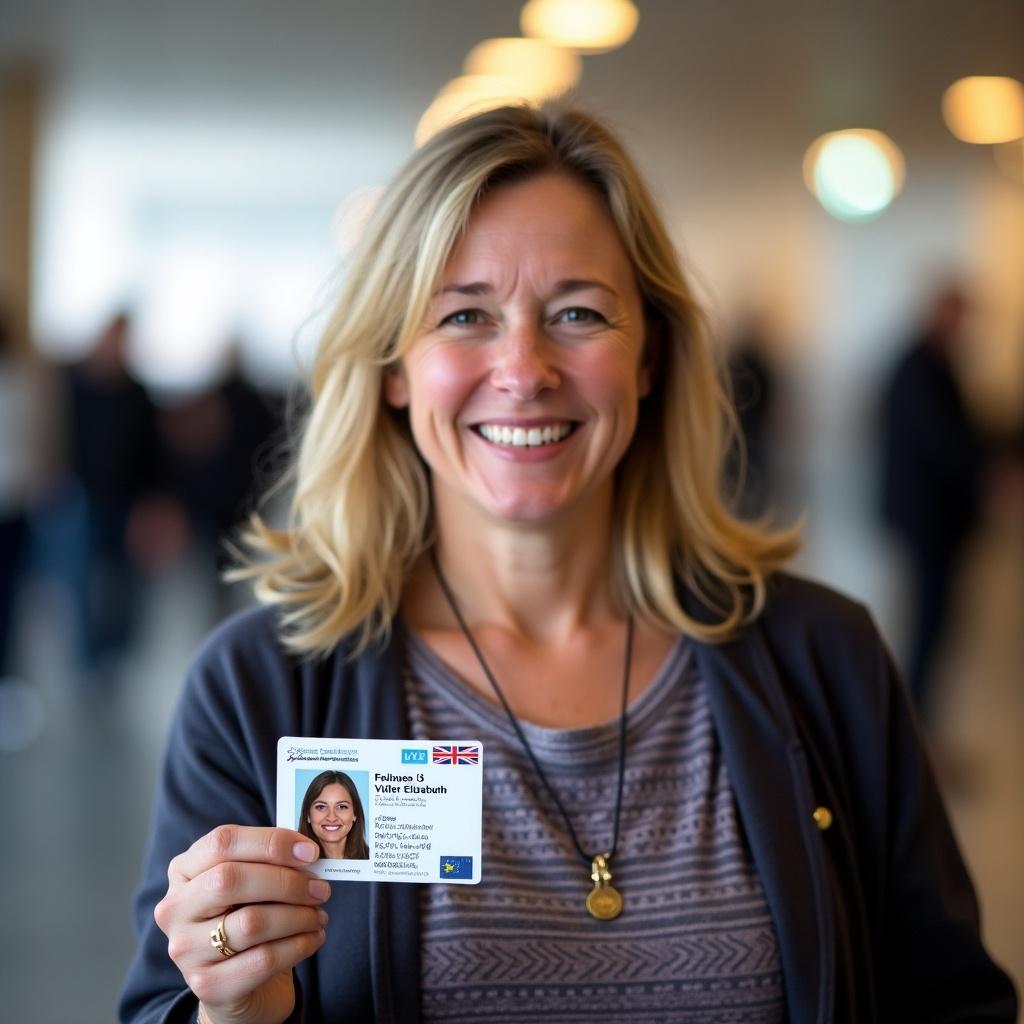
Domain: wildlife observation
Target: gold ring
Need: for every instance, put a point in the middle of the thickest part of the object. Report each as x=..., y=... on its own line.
x=219, y=939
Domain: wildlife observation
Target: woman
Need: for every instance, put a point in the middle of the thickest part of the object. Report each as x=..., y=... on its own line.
x=332, y=816
x=705, y=792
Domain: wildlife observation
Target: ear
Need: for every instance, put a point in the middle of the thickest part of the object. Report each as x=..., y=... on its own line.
x=644, y=379
x=650, y=358
x=396, y=387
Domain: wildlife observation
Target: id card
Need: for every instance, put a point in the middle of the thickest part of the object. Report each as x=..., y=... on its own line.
x=385, y=810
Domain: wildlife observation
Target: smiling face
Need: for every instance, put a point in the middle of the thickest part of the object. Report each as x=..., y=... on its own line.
x=331, y=817
x=523, y=386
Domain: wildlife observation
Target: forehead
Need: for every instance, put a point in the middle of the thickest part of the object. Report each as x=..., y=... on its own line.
x=549, y=219
x=334, y=792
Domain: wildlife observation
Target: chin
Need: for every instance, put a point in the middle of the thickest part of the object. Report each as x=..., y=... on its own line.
x=531, y=515
x=525, y=508
x=535, y=511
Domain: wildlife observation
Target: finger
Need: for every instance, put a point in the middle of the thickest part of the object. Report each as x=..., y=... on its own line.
x=234, y=979
x=257, y=845
x=230, y=884
x=217, y=891
x=256, y=924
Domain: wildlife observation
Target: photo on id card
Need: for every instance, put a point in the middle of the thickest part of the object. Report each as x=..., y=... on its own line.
x=385, y=810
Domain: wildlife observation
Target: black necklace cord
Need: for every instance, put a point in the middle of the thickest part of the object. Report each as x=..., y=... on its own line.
x=467, y=633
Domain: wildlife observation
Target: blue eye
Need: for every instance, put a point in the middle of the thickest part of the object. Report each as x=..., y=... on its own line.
x=581, y=314
x=464, y=318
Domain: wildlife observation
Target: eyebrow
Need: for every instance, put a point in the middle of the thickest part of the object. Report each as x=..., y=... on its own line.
x=563, y=287
x=475, y=288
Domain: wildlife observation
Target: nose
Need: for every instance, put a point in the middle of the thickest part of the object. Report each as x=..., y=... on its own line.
x=524, y=362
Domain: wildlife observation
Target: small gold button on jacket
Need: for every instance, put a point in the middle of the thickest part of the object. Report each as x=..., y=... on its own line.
x=822, y=818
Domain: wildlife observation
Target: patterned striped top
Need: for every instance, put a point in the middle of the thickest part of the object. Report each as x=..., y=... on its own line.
x=695, y=941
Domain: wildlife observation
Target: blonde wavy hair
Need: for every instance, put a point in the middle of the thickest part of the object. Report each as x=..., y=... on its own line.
x=360, y=513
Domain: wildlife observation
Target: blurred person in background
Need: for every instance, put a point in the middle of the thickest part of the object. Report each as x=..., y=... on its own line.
x=215, y=442
x=934, y=469
x=114, y=463
x=507, y=524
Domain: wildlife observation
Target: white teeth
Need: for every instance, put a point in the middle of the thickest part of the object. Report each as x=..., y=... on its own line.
x=520, y=437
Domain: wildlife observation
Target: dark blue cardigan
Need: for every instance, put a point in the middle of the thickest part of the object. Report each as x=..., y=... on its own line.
x=875, y=916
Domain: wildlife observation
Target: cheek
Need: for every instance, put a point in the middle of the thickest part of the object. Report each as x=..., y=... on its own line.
x=612, y=381
x=442, y=384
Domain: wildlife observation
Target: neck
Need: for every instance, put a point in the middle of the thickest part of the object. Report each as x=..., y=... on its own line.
x=335, y=851
x=542, y=581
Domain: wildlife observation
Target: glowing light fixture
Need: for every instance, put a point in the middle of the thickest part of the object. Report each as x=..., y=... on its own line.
x=855, y=173
x=588, y=26
x=539, y=70
x=463, y=97
x=984, y=109
x=1010, y=159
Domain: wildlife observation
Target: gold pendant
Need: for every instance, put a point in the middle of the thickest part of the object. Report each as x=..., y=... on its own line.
x=604, y=901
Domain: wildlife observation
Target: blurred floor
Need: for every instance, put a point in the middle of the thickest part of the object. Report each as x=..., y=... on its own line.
x=75, y=803
x=978, y=738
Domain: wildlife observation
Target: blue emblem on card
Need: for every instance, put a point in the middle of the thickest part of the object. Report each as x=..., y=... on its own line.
x=456, y=867
x=410, y=756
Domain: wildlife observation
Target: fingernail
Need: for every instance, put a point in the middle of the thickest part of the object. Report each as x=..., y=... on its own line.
x=304, y=851
x=322, y=917
x=319, y=889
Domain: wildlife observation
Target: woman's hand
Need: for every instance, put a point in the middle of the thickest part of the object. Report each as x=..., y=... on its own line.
x=251, y=881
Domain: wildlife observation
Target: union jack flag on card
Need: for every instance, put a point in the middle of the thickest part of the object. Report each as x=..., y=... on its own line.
x=454, y=754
